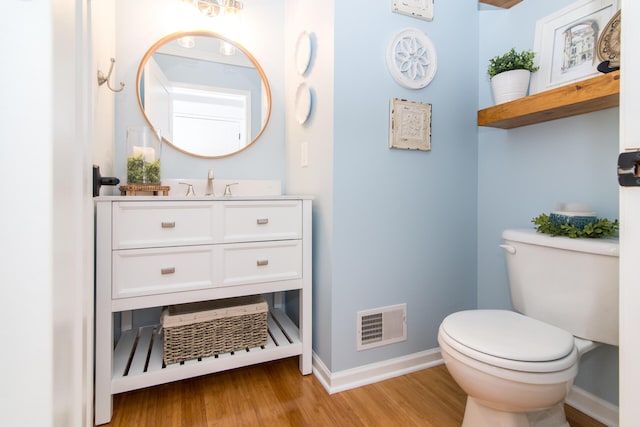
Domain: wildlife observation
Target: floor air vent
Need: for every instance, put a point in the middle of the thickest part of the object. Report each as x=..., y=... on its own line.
x=382, y=326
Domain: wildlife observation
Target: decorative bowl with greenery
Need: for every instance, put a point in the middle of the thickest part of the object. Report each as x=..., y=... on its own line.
x=602, y=227
x=512, y=60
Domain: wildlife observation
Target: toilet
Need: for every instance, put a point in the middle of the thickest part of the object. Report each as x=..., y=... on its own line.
x=518, y=366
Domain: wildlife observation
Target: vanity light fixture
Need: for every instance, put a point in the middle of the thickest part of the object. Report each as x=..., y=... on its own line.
x=213, y=8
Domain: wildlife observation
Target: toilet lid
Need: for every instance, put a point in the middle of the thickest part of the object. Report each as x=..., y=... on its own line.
x=508, y=335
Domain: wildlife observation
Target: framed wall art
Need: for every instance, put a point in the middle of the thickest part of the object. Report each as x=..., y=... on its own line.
x=421, y=9
x=409, y=125
x=411, y=59
x=566, y=41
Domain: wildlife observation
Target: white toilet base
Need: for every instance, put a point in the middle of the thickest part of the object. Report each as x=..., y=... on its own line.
x=478, y=415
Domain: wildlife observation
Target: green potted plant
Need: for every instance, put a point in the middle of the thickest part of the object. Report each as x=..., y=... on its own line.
x=510, y=74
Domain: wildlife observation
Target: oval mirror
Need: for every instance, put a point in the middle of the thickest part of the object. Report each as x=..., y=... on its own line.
x=205, y=94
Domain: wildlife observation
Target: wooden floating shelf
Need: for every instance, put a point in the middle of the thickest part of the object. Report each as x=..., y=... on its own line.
x=585, y=96
x=506, y=4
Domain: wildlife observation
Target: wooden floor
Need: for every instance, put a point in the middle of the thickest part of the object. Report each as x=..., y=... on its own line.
x=276, y=394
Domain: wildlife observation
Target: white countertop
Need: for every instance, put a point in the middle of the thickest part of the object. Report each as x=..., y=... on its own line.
x=240, y=189
x=147, y=198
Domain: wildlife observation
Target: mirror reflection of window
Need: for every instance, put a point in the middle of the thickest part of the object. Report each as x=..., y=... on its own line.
x=211, y=122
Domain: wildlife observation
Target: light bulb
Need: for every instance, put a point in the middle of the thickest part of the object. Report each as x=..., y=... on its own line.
x=187, y=42
x=227, y=48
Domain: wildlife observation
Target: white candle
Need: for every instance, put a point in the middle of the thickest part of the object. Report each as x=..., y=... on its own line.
x=147, y=153
x=137, y=151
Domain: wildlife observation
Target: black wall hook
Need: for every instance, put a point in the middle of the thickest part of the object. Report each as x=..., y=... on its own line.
x=99, y=181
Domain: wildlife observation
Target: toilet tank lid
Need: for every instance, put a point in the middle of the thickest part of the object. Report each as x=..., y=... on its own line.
x=508, y=335
x=600, y=246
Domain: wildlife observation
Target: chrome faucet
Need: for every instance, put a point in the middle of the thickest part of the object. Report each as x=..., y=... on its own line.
x=210, y=191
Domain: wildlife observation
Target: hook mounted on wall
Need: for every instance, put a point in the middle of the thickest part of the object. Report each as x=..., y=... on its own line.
x=102, y=79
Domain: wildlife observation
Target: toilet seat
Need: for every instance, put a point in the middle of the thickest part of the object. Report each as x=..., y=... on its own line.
x=509, y=340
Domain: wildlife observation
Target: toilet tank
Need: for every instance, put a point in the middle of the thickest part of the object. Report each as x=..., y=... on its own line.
x=569, y=283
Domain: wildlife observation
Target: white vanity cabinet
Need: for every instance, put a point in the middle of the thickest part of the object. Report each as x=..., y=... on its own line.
x=158, y=251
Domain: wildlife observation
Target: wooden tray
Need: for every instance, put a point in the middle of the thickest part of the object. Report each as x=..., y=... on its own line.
x=131, y=190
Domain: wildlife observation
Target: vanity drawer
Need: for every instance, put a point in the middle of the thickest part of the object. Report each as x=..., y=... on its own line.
x=138, y=272
x=157, y=224
x=260, y=221
x=261, y=262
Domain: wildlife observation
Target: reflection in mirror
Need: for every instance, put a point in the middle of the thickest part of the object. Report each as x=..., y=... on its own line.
x=205, y=94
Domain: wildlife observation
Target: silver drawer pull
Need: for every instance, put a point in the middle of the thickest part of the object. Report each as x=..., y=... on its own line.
x=168, y=270
x=262, y=262
x=262, y=221
x=169, y=224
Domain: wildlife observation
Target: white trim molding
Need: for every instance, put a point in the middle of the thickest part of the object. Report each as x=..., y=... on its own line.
x=374, y=372
x=590, y=404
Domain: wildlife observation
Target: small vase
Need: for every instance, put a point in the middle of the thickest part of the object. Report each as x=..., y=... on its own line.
x=510, y=85
x=144, y=147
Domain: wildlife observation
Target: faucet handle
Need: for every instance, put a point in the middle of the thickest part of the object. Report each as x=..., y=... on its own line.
x=227, y=189
x=190, y=190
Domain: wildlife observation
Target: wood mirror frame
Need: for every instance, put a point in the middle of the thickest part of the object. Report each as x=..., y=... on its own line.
x=204, y=82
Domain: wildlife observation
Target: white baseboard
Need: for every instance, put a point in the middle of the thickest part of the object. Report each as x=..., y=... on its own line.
x=580, y=399
x=375, y=372
x=597, y=408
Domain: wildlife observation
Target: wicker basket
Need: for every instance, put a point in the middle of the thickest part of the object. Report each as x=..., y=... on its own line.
x=209, y=328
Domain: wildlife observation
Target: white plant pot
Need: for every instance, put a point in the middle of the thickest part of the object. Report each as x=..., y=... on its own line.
x=510, y=85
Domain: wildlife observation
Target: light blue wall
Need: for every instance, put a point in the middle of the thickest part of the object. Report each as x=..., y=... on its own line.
x=525, y=171
x=404, y=221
